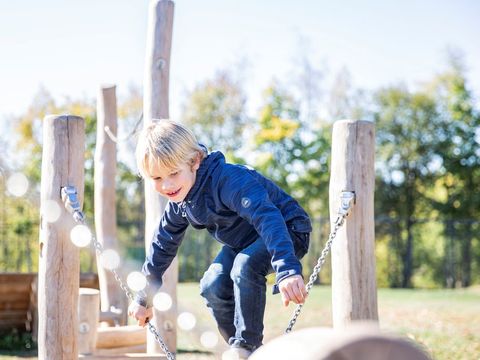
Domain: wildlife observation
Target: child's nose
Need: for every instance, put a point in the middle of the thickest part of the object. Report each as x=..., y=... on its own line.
x=167, y=185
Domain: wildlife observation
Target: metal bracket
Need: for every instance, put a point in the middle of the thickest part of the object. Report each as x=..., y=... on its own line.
x=347, y=199
x=70, y=198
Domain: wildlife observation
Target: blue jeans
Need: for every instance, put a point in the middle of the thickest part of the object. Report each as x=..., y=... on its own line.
x=234, y=287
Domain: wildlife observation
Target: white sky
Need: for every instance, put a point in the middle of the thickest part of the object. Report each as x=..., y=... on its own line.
x=71, y=47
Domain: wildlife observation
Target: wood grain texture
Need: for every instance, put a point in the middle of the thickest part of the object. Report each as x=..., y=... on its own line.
x=354, y=292
x=156, y=106
x=58, y=277
x=105, y=169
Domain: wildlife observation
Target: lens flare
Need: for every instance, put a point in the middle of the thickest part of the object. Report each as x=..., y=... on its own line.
x=136, y=281
x=51, y=211
x=110, y=259
x=209, y=339
x=81, y=235
x=162, y=301
x=186, y=321
x=17, y=184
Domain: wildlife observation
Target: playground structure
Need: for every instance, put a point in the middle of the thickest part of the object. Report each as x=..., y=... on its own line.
x=353, y=262
x=68, y=317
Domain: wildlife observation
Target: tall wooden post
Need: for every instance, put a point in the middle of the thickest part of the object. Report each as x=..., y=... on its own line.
x=155, y=106
x=354, y=291
x=59, y=266
x=105, y=208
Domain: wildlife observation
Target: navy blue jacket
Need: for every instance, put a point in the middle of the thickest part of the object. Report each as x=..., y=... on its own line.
x=236, y=205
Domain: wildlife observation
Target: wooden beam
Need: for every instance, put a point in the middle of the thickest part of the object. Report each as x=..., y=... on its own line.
x=123, y=357
x=354, y=291
x=113, y=337
x=63, y=164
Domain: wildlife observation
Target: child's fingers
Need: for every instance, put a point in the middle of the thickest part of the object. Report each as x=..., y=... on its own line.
x=285, y=298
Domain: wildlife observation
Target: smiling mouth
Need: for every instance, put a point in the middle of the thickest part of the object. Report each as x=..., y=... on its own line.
x=172, y=194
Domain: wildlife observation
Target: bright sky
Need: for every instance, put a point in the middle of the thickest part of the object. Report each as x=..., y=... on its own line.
x=71, y=47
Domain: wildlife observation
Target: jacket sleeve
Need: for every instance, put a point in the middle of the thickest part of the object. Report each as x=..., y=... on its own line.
x=243, y=194
x=162, y=251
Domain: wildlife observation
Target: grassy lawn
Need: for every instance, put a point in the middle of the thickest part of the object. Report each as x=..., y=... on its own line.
x=445, y=322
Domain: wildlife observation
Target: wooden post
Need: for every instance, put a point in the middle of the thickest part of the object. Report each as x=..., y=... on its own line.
x=155, y=106
x=354, y=291
x=58, y=280
x=105, y=208
x=88, y=314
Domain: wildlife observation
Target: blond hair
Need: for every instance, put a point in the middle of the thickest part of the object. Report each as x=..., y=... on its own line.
x=166, y=144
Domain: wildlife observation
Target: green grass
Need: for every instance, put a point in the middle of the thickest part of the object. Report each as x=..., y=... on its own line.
x=445, y=322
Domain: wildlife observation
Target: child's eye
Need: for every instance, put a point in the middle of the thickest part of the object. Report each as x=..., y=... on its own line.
x=174, y=173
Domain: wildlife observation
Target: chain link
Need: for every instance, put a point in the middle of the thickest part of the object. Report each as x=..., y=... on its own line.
x=69, y=196
x=347, y=198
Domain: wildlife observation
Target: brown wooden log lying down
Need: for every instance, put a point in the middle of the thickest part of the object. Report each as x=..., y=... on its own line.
x=357, y=342
x=113, y=337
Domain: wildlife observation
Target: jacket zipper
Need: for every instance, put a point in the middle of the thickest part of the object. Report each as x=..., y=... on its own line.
x=190, y=215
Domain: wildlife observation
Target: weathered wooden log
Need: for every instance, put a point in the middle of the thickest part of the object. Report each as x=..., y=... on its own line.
x=156, y=106
x=114, y=337
x=105, y=208
x=354, y=291
x=88, y=313
x=134, y=349
x=353, y=342
x=63, y=164
x=124, y=357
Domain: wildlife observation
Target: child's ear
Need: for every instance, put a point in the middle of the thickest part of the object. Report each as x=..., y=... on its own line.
x=196, y=162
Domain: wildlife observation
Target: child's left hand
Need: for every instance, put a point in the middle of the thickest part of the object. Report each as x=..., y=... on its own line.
x=293, y=289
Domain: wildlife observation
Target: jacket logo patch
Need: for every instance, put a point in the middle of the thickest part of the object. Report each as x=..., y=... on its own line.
x=246, y=202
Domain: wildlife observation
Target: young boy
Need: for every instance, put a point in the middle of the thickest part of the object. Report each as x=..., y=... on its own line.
x=262, y=229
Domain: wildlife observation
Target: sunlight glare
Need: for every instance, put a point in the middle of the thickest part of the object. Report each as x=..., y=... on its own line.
x=17, y=184
x=136, y=281
x=110, y=259
x=186, y=321
x=51, y=211
x=162, y=301
x=81, y=235
x=209, y=339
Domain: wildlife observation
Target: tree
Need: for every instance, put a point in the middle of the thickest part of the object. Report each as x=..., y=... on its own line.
x=405, y=130
x=215, y=111
x=458, y=148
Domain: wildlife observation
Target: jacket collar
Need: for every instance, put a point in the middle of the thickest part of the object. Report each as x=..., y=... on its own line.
x=207, y=165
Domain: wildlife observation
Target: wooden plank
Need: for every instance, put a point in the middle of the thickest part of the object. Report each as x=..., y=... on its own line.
x=123, y=350
x=354, y=291
x=19, y=304
x=112, y=337
x=123, y=357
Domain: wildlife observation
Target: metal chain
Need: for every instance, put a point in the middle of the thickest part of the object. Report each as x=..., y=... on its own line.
x=69, y=197
x=347, y=198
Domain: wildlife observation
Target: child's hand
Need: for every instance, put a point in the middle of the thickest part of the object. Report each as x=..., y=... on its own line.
x=293, y=289
x=140, y=313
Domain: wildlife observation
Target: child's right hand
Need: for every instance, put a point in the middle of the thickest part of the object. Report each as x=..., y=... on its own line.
x=140, y=313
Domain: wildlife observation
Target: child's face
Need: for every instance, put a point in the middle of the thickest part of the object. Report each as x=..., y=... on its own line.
x=174, y=184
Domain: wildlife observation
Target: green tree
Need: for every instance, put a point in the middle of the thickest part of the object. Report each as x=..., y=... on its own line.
x=405, y=132
x=458, y=148
x=215, y=111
